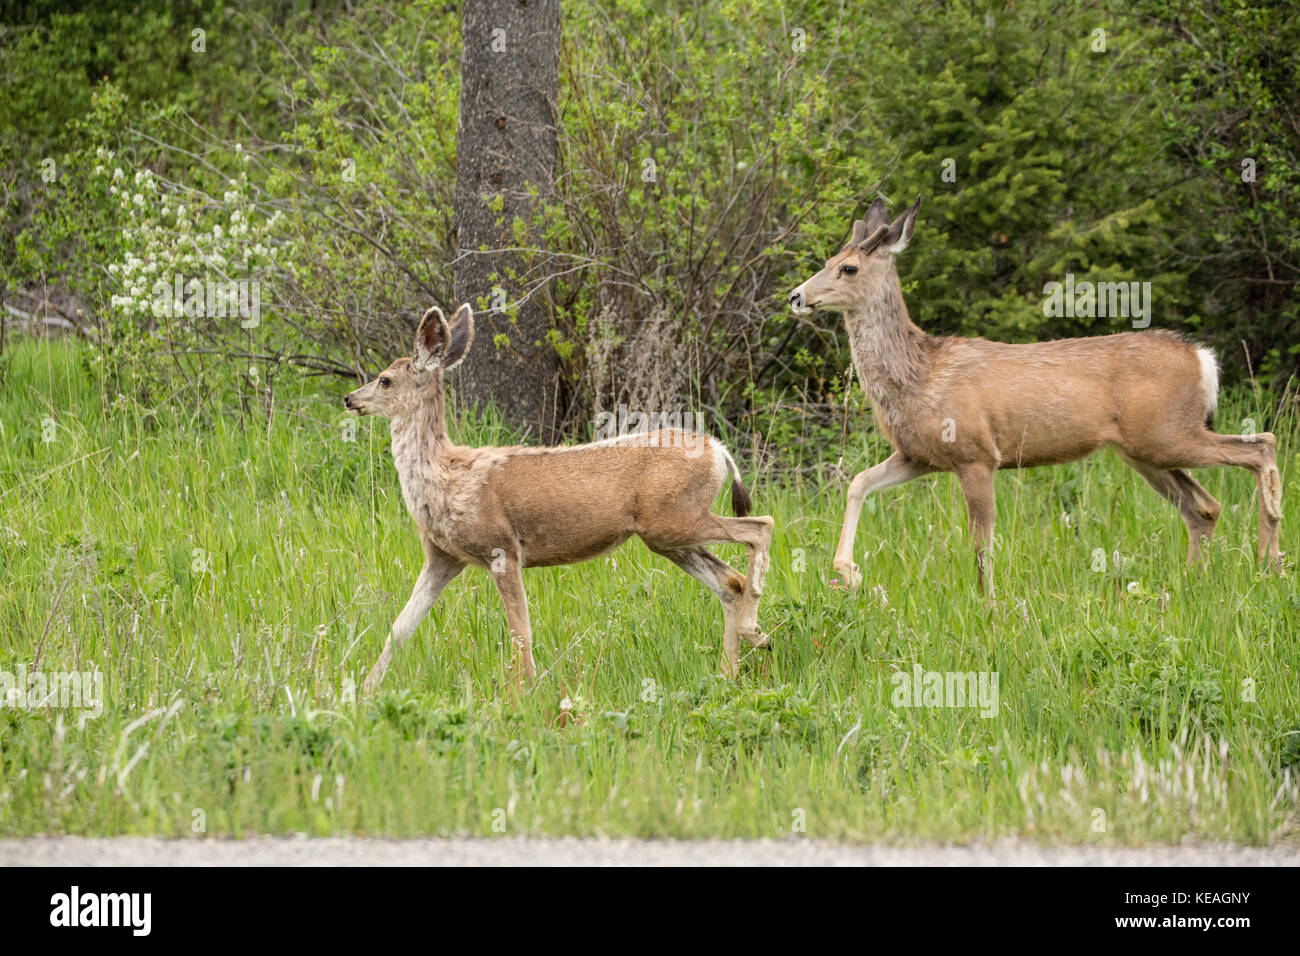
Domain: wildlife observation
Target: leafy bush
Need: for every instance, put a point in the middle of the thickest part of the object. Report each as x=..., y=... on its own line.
x=1226, y=72
x=710, y=158
x=1289, y=751
x=728, y=717
x=1154, y=694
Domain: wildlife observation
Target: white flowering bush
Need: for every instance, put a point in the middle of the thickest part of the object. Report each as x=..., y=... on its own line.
x=178, y=244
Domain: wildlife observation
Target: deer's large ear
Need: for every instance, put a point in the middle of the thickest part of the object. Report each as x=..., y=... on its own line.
x=873, y=240
x=900, y=230
x=876, y=217
x=462, y=334
x=431, y=340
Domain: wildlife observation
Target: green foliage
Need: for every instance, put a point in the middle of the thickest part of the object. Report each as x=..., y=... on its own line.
x=369, y=154
x=101, y=76
x=232, y=595
x=61, y=55
x=1289, y=751
x=686, y=173
x=414, y=718
x=731, y=718
x=1038, y=152
x=1227, y=72
x=710, y=159
x=78, y=220
x=1157, y=694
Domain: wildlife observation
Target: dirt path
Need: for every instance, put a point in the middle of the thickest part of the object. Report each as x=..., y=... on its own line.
x=349, y=851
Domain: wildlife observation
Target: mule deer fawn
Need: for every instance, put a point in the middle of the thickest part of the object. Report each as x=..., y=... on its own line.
x=970, y=406
x=505, y=509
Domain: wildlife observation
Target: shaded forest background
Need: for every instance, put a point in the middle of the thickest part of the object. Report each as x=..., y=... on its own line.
x=708, y=160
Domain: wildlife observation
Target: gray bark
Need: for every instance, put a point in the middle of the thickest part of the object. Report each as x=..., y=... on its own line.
x=507, y=142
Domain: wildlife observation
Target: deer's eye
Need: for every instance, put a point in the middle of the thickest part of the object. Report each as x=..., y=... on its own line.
x=849, y=270
x=385, y=382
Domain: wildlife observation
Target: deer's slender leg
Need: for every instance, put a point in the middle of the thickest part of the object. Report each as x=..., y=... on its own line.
x=1198, y=507
x=1269, y=482
x=740, y=616
x=725, y=582
x=894, y=470
x=977, y=486
x=755, y=533
x=509, y=579
x=1258, y=454
x=439, y=569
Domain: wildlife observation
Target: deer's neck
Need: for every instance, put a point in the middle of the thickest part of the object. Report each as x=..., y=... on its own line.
x=889, y=352
x=419, y=442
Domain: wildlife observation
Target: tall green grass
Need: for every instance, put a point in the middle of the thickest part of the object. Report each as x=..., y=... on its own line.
x=232, y=578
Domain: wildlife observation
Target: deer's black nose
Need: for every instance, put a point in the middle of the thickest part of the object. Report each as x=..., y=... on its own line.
x=347, y=400
x=796, y=299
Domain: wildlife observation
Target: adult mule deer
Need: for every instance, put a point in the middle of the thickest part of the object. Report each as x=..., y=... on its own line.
x=970, y=406
x=505, y=509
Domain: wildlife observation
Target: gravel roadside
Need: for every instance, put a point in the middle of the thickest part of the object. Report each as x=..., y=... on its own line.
x=568, y=851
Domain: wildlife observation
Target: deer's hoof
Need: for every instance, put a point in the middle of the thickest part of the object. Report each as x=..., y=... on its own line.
x=847, y=577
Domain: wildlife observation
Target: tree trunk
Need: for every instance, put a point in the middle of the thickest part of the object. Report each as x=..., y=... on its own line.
x=507, y=143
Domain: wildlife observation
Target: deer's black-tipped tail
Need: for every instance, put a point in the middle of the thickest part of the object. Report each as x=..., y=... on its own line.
x=740, y=502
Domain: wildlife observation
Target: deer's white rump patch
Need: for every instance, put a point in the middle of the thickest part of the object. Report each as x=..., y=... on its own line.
x=1209, y=378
